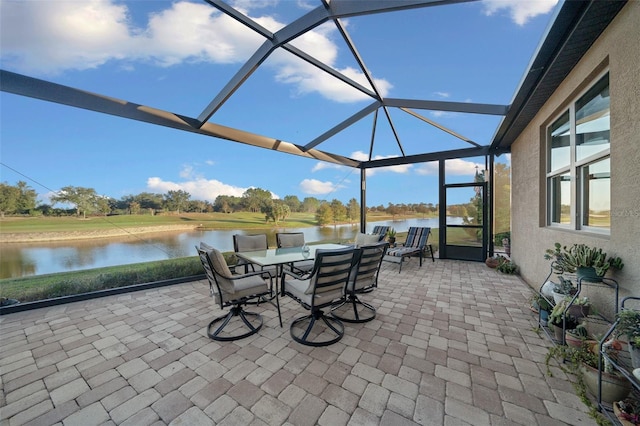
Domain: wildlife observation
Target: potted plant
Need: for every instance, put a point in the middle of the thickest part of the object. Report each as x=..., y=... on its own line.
x=507, y=267
x=627, y=411
x=588, y=263
x=561, y=321
x=540, y=305
x=578, y=336
x=391, y=236
x=629, y=327
x=582, y=362
x=495, y=261
x=563, y=289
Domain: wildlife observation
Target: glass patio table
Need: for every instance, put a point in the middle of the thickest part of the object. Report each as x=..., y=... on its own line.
x=282, y=256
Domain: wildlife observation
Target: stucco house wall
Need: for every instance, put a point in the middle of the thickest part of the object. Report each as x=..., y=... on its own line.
x=618, y=50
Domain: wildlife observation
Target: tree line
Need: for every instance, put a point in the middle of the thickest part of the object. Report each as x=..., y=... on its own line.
x=20, y=199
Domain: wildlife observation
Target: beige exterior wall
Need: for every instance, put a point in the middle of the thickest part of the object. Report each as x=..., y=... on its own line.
x=618, y=50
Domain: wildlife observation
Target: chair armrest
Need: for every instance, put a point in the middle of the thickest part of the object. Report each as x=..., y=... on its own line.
x=294, y=275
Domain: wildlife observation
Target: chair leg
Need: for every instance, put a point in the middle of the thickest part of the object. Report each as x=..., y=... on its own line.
x=333, y=324
x=236, y=311
x=366, y=312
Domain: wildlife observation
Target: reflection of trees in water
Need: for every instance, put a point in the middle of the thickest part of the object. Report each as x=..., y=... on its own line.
x=51, y=257
x=77, y=257
x=14, y=264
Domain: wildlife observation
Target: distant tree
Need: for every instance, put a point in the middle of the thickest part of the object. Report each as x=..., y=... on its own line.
x=310, y=204
x=338, y=210
x=226, y=203
x=293, y=202
x=134, y=207
x=276, y=210
x=353, y=210
x=84, y=199
x=253, y=199
x=103, y=205
x=149, y=201
x=27, y=198
x=324, y=214
x=393, y=210
x=9, y=198
x=502, y=198
x=176, y=200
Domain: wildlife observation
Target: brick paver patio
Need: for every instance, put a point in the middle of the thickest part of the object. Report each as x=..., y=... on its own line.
x=453, y=343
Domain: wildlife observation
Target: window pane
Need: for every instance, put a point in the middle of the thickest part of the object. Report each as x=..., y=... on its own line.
x=592, y=121
x=559, y=143
x=560, y=199
x=596, y=194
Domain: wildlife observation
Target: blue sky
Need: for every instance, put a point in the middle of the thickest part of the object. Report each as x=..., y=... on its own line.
x=177, y=55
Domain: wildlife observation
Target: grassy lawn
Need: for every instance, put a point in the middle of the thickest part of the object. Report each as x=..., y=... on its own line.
x=243, y=220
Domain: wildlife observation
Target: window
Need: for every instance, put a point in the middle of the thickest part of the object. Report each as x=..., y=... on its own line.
x=578, y=165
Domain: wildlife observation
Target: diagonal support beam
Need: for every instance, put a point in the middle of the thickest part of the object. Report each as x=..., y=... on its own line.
x=340, y=127
x=243, y=73
x=439, y=126
x=44, y=90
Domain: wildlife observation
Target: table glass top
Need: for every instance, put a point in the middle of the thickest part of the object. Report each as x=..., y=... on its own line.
x=285, y=255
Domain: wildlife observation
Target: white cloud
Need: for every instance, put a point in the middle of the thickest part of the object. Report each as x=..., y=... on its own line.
x=316, y=187
x=362, y=156
x=455, y=167
x=199, y=188
x=442, y=94
x=519, y=10
x=44, y=38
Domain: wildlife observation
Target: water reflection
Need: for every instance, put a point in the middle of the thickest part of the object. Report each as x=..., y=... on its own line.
x=18, y=260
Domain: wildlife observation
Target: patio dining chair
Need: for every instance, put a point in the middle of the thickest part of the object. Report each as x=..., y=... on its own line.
x=321, y=288
x=363, y=279
x=234, y=291
x=293, y=240
x=242, y=243
x=415, y=245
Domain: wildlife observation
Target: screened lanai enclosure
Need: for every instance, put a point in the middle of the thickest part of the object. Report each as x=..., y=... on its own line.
x=367, y=66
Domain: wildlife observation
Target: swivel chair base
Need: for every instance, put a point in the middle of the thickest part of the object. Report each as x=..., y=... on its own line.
x=236, y=311
x=333, y=327
x=353, y=310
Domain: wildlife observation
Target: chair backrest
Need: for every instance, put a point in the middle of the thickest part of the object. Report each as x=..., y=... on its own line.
x=365, y=273
x=289, y=239
x=417, y=237
x=380, y=230
x=243, y=243
x=217, y=272
x=331, y=272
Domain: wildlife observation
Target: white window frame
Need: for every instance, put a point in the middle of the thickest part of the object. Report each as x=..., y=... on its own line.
x=574, y=168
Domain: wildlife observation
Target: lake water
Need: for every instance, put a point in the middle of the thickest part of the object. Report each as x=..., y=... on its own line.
x=21, y=260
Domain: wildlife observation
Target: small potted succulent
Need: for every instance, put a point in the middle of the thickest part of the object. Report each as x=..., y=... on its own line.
x=391, y=236
x=563, y=289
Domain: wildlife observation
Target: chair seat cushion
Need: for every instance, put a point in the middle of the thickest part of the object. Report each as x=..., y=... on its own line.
x=248, y=286
x=299, y=288
x=402, y=251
